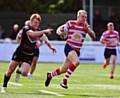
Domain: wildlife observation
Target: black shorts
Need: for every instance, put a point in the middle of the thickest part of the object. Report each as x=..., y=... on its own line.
x=21, y=56
x=109, y=52
x=36, y=52
x=68, y=48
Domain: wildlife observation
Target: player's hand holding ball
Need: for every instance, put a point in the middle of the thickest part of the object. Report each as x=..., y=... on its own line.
x=62, y=31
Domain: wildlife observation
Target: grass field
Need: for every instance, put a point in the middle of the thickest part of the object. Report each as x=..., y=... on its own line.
x=88, y=81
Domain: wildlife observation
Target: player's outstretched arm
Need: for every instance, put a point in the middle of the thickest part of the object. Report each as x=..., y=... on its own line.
x=39, y=33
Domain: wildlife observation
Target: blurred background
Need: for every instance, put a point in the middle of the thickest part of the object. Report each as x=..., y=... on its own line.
x=14, y=13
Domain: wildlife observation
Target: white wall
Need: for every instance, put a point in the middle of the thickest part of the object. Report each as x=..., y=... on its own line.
x=91, y=52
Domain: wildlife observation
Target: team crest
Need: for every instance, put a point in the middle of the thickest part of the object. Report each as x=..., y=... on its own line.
x=77, y=36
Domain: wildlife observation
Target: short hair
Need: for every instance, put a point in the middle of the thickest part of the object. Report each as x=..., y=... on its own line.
x=81, y=11
x=15, y=26
x=27, y=22
x=35, y=16
x=110, y=23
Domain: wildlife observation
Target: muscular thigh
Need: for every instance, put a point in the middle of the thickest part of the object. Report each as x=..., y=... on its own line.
x=66, y=63
x=12, y=65
x=25, y=67
x=65, y=66
x=35, y=58
x=72, y=56
x=113, y=58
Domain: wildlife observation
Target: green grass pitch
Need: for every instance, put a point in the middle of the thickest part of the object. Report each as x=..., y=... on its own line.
x=88, y=81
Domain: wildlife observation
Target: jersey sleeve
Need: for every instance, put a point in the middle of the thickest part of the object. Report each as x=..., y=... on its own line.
x=68, y=24
x=30, y=31
x=103, y=36
x=20, y=33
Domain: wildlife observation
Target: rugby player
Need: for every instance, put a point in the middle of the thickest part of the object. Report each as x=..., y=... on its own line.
x=76, y=31
x=110, y=38
x=24, y=51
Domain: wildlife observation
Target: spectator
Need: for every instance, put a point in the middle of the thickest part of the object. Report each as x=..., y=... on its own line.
x=15, y=30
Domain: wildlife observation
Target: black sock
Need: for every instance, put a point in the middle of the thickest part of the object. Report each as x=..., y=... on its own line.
x=18, y=71
x=19, y=65
x=6, y=79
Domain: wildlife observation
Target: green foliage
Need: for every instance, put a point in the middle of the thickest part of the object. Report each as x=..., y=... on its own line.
x=42, y=6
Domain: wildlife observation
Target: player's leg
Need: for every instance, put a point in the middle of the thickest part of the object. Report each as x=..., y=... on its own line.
x=74, y=59
x=19, y=65
x=33, y=66
x=23, y=70
x=106, y=62
x=107, y=55
x=11, y=68
x=17, y=78
x=61, y=69
x=58, y=71
x=25, y=67
x=34, y=62
x=113, y=64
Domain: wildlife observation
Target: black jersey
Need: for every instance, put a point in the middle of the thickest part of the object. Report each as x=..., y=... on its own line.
x=27, y=44
x=25, y=51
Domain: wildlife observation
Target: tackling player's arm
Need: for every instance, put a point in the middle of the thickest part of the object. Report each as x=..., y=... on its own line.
x=39, y=33
x=51, y=47
x=45, y=39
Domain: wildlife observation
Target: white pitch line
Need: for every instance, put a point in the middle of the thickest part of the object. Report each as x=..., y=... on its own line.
x=102, y=86
x=52, y=93
x=16, y=84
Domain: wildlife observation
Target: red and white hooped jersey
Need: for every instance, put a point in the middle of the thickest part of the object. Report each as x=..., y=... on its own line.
x=111, y=37
x=76, y=34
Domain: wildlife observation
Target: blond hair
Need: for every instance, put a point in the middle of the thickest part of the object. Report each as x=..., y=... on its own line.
x=81, y=11
x=35, y=16
x=110, y=23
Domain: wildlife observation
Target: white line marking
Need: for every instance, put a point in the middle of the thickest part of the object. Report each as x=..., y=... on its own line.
x=102, y=86
x=16, y=84
x=52, y=93
x=107, y=86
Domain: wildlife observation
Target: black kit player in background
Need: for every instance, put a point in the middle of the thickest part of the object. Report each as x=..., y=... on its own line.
x=24, y=52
